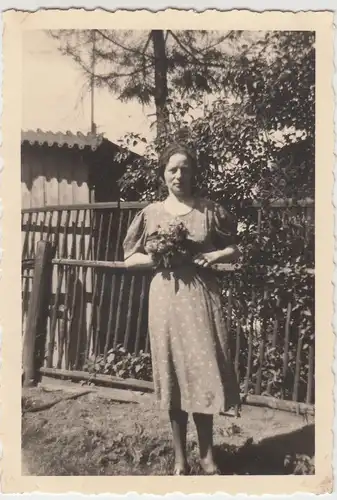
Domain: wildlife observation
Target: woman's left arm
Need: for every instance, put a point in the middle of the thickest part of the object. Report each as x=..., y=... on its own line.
x=226, y=255
x=224, y=232
x=229, y=254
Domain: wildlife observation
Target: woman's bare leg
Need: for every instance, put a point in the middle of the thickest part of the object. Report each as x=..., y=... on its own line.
x=204, y=425
x=179, y=420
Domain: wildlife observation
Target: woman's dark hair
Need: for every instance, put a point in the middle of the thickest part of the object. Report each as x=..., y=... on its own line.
x=172, y=149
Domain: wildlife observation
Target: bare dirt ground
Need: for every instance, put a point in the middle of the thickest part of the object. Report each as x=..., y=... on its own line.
x=97, y=435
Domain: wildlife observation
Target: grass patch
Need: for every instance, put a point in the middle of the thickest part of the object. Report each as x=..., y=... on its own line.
x=94, y=436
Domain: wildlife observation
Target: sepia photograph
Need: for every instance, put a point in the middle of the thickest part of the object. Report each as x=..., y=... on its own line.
x=168, y=254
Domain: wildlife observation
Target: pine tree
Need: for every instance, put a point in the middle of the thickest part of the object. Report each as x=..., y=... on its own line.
x=150, y=66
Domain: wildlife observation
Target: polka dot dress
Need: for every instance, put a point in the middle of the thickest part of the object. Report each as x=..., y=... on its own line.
x=192, y=369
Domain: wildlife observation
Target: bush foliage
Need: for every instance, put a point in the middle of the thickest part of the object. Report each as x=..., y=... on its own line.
x=123, y=364
x=255, y=142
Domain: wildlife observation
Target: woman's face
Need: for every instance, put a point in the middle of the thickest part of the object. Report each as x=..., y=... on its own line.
x=178, y=175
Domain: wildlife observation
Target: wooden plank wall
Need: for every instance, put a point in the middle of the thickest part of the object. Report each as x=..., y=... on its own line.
x=52, y=176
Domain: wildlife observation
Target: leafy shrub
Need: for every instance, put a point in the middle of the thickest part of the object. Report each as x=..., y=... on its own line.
x=120, y=363
x=256, y=142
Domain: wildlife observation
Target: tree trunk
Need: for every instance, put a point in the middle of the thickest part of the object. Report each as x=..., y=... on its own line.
x=161, y=92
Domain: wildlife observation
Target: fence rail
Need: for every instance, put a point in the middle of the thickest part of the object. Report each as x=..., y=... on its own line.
x=96, y=304
x=138, y=205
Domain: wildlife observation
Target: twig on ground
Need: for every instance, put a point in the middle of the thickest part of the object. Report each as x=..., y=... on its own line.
x=46, y=406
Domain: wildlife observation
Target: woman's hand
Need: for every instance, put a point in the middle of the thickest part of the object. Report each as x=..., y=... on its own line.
x=206, y=259
x=227, y=255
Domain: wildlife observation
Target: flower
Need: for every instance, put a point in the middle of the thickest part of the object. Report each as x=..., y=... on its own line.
x=169, y=246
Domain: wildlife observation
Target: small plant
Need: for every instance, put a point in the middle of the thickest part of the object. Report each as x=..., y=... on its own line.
x=120, y=363
x=233, y=430
x=299, y=464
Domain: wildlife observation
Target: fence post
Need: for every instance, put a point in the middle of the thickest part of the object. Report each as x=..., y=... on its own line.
x=37, y=317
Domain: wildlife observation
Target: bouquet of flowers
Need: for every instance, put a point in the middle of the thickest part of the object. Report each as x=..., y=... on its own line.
x=170, y=247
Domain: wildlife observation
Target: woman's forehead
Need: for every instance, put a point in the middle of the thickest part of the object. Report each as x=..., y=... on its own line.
x=178, y=159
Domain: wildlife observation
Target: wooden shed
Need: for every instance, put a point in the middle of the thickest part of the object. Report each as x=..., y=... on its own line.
x=63, y=175
x=67, y=168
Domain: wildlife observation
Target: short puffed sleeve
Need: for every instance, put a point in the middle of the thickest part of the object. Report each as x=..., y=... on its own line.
x=136, y=235
x=224, y=227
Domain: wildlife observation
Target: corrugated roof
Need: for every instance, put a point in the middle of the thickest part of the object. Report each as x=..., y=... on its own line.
x=69, y=139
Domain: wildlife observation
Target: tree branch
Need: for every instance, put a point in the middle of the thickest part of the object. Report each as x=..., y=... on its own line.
x=144, y=66
x=222, y=39
x=196, y=60
x=185, y=49
x=88, y=70
x=130, y=73
x=121, y=46
x=146, y=44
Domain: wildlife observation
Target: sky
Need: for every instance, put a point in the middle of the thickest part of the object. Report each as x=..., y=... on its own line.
x=53, y=96
x=52, y=90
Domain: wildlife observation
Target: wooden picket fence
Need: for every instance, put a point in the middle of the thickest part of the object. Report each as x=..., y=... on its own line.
x=95, y=304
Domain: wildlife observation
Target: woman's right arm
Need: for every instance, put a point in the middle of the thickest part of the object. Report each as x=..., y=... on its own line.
x=135, y=256
x=139, y=261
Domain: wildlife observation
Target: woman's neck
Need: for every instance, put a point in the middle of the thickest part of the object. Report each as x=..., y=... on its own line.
x=179, y=206
x=184, y=199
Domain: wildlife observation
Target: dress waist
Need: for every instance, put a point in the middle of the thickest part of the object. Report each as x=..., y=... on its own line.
x=186, y=271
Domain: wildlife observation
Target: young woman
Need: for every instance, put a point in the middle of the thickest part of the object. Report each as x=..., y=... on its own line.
x=192, y=370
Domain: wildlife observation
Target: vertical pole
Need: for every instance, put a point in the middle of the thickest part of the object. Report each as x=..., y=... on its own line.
x=36, y=325
x=92, y=83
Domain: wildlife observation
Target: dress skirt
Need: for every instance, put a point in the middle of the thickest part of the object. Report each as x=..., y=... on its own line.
x=192, y=366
